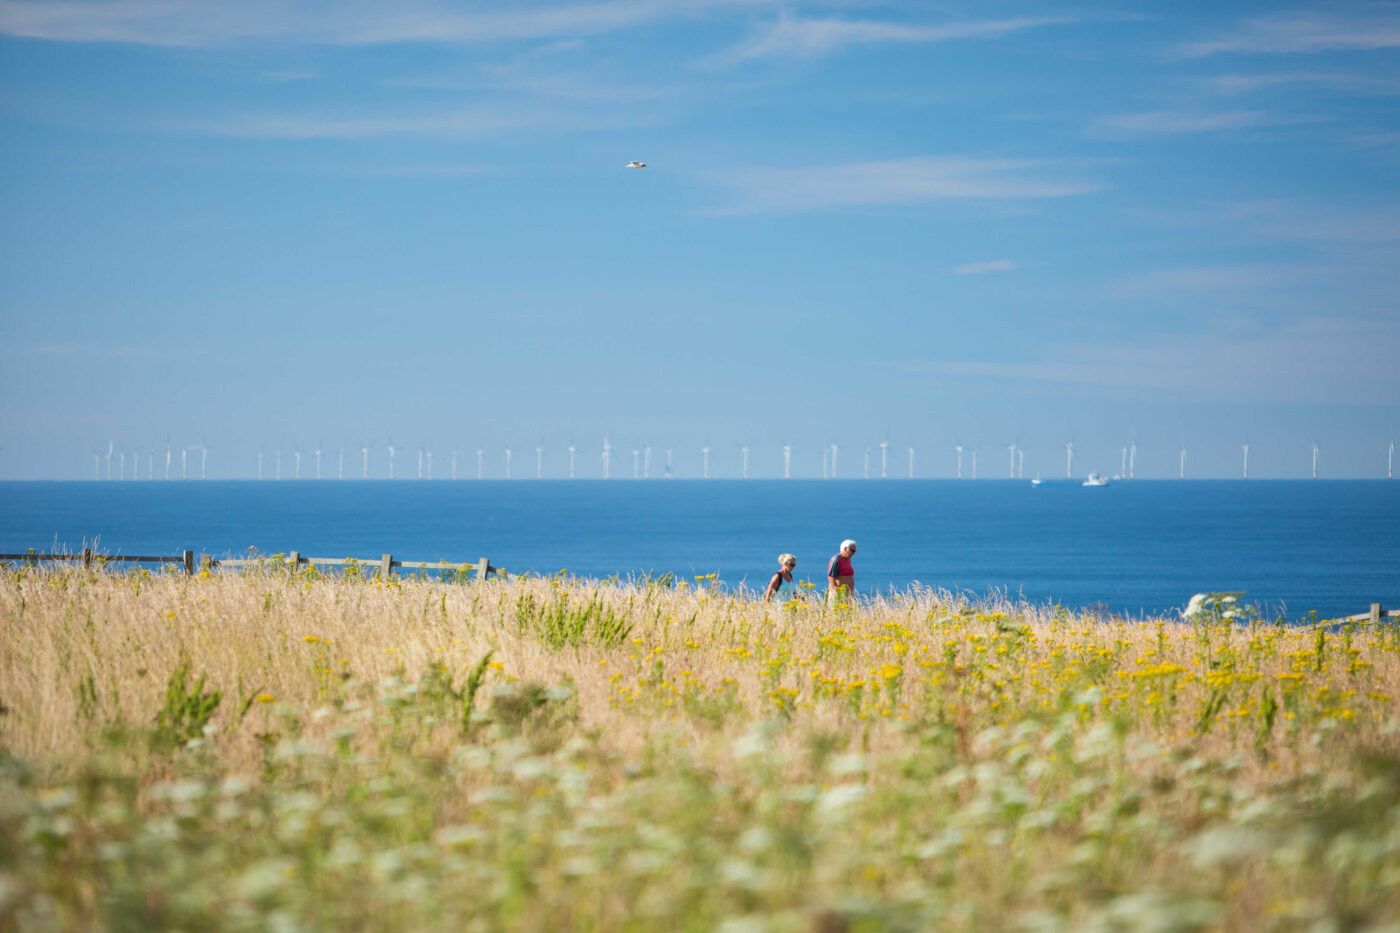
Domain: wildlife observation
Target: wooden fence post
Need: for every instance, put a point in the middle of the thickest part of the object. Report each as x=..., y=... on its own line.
x=188, y=558
x=87, y=558
x=295, y=560
x=483, y=569
x=1376, y=613
x=386, y=567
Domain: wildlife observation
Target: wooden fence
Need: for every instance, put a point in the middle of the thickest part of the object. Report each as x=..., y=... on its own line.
x=386, y=564
x=185, y=558
x=1374, y=616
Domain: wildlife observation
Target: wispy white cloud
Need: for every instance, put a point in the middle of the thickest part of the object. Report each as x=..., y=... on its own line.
x=1312, y=361
x=800, y=37
x=1349, y=29
x=1178, y=122
x=901, y=181
x=1344, y=83
x=216, y=22
x=450, y=124
x=978, y=268
x=1197, y=281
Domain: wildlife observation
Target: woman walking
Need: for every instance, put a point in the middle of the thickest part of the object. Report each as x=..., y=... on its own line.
x=782, y=586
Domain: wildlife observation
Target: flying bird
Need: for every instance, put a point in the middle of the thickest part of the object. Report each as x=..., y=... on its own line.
x=636, y=164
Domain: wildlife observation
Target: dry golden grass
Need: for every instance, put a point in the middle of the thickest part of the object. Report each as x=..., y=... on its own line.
x=649, y=756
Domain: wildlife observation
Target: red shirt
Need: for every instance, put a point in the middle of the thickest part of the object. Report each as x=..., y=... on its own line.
x=840, y=566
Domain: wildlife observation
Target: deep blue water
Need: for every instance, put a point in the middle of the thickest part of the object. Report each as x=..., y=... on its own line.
x=1143, y=546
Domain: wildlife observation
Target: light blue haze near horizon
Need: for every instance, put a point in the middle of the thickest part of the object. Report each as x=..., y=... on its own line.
x=281, y=226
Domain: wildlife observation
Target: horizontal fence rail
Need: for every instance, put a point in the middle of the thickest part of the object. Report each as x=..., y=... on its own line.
x=184, y=558
x=1375, y=615
x=386, y=564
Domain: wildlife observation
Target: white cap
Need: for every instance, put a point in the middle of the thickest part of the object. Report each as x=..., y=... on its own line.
x=847, y=543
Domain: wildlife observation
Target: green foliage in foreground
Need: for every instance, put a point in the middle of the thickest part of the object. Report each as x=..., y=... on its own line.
x=534, y=824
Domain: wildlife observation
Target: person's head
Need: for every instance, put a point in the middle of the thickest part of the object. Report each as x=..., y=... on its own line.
x=848, y=547
x=786, y=562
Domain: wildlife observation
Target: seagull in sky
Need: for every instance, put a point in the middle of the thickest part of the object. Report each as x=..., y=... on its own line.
x=636, y=164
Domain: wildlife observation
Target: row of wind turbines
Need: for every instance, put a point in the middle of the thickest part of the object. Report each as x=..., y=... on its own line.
x=641, y=461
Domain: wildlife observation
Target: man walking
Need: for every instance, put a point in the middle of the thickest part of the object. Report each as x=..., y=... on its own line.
x=840, y=575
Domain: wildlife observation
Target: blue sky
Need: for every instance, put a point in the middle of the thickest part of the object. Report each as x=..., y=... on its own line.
x=274, y=226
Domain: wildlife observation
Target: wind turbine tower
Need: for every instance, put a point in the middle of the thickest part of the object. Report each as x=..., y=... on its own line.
x=203, y=459
x=867, y=463
x=277, y=474
x=911, y=463
x=787, y=461
x=571, y=459
x=825, y=457
x=508, y=455
x=1011, y=448
x=1020, y=462
x=834, y=451
x=646, y=461
x=705, y=454
x=668, y=462
x=167, y=457
x=430, y=463
x=96, y=465
x=1069, y=460
x=364, y=461
x=974, y=461
x=121, y=464
x=454, y=463
x=297, y=468
x=1390, y=461
x=260, y=455
x=184, y=463
x=340, y=463
x=420, y=461
x=607, y=458
x=539, y=460
x=636, y=463
x=744, y=472
x=1245, y=448
x=1314, y=450
x=1123, y=468
x=959, y=449
x=1183, y=461
x=391, y=449
x=318, y=461
x=884, y=454
x=1132, y=459
x=480, y=459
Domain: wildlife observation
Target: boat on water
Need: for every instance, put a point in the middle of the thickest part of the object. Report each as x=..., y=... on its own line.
x=1094, y=480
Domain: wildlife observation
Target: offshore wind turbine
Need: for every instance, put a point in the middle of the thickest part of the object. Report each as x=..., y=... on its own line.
x=278, y=473
x=539, y=460
x=959, y=448
x=318, y=459
x=1314, y=452
x=420, y=461
x=646, y=461
x=571, y=458
x=1390, y=461
x=787, y=461
x=430, y=463
x=96, y=465
x=480, y=459
x=185, y=462
x=1132, y=459
x=835, y=449
x=825, y=457
x=867, y=463
x=607, y=458
x=974, y=460
x=884, y=453
x=744, y=472
x=121, y=464
x=636, y=463
x=296, y=455
x=260, y=456
x=911, y=463
x=669, y=453
x=340, y=463
x=1011, y=448
x=454, y=463
x=364, y=461
x=1123, y=468
x=1020, y=462
x=391, y=448
x=1182, y=475
x=705, y=454
x=203, y=459
x=1069, y=460
x=167, y=456
x=1245, y=448
x=509, y=452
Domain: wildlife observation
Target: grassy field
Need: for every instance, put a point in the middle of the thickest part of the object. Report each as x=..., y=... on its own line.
x=283, y=751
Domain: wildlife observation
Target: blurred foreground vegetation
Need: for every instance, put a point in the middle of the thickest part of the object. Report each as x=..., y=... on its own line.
x=290, y=751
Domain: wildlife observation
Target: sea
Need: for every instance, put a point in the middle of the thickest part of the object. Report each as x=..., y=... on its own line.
x=1139, y=547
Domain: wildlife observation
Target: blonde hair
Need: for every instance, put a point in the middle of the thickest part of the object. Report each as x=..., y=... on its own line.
x=784, y=558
